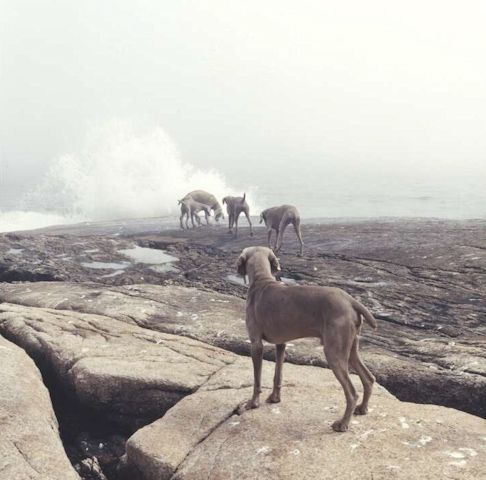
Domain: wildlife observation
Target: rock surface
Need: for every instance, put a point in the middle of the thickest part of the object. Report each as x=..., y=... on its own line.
x=412, y=366
x=294, y=439
x=113, y=337
x=129, y=374
x=30, y=447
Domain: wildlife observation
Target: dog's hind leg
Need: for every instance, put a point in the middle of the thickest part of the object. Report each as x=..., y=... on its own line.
x=280, y=232
x=277, y=379
x=296, y=225
x=366, y=377
x=236, y=223
x=247, y=214
x=337, y=347
x=269, y=237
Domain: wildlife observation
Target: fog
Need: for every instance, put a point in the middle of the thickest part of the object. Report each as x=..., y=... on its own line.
x=251, y=89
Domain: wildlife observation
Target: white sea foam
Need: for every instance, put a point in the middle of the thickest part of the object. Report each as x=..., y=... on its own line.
x=122, y=172
x=13, y=220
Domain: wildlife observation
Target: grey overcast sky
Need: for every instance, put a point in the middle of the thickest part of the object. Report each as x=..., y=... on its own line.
x=381, y=85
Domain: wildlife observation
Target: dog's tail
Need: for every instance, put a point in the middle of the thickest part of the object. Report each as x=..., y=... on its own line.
x=361, y=309
x=244, y=198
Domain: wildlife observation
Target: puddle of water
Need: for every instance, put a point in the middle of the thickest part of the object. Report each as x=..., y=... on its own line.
x=164, y=268
x=93, y=250
x=151, y=256
x=15, y=251
x=113, y=274
x=288, y=281
x=101, y=265
x=236, y=279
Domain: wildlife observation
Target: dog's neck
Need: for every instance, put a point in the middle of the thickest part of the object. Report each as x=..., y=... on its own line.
x=260, y=277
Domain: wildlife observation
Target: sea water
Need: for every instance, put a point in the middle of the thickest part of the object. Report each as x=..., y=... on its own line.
x=123, y=174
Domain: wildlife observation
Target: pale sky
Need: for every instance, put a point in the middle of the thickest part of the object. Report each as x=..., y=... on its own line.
x=394, y=87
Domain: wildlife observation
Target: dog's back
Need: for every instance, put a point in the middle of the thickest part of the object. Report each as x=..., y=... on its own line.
x=288, y=312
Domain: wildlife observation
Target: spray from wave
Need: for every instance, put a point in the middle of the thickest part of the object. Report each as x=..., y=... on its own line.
x=122, y=172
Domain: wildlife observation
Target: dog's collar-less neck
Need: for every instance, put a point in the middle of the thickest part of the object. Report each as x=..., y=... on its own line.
x=261, y=280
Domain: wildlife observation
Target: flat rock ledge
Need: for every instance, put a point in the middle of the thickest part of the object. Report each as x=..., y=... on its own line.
x=202, y=437
x=414, y=365
x=128, y=374
x=30, y=446
x=133, y=376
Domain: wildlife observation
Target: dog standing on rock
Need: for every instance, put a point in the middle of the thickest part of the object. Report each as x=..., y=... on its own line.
x=207, y=199
x=279, y=313
x=278, y=218
x=235, y=206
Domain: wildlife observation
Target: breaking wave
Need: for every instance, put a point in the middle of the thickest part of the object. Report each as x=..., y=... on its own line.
x=122, y=172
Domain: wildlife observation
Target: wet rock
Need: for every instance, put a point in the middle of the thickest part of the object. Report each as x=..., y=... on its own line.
x=30, y=447
x=90, y=469
x=294, y=439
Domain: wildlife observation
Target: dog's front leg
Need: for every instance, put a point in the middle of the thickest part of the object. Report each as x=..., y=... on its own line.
x=257, y=358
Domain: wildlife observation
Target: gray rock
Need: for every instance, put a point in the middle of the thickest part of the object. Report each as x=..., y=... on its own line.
x=294, y=439
x=407, y=361
x=30, y=447
x=131, y=374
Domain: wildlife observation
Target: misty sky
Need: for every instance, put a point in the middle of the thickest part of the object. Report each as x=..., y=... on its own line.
x=377, y=86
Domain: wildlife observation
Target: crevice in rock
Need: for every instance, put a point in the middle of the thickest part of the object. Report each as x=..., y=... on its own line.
x=93, y=443
x=10, y=275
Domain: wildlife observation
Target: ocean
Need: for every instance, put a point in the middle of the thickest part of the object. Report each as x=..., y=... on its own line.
x=123, y=174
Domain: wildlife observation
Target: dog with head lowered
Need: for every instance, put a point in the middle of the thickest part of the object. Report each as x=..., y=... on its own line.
x=279, y=313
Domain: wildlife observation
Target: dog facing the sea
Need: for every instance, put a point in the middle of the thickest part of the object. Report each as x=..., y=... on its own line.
x=279, y=313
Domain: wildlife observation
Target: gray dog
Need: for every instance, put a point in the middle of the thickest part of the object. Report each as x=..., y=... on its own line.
x=190, y=209
x=279, y=313
x=235, y=206
x=278, y=218
x=208, y=199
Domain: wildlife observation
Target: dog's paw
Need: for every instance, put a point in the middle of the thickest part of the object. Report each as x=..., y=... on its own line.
x=249, y=405
x=273, y=398
x=361, y=410
x=339, y=426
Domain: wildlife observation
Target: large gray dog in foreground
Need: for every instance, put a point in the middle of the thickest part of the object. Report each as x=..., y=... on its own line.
x=235, y=206
x=278, y=218
x=278, y=313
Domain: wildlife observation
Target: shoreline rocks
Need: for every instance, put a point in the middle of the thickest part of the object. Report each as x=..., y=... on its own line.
x=124, y=344
x=413, y=366
x=30, y=445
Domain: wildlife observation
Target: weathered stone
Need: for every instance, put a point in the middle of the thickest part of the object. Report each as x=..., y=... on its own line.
x=294, y=439
x=132, y=374
x=409, y=363
x=30, y=447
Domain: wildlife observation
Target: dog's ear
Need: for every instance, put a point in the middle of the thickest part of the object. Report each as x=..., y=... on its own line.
x=274, y=263
x=241, y=265
x=262, y=217
x=179, y=202
x=224, y=200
